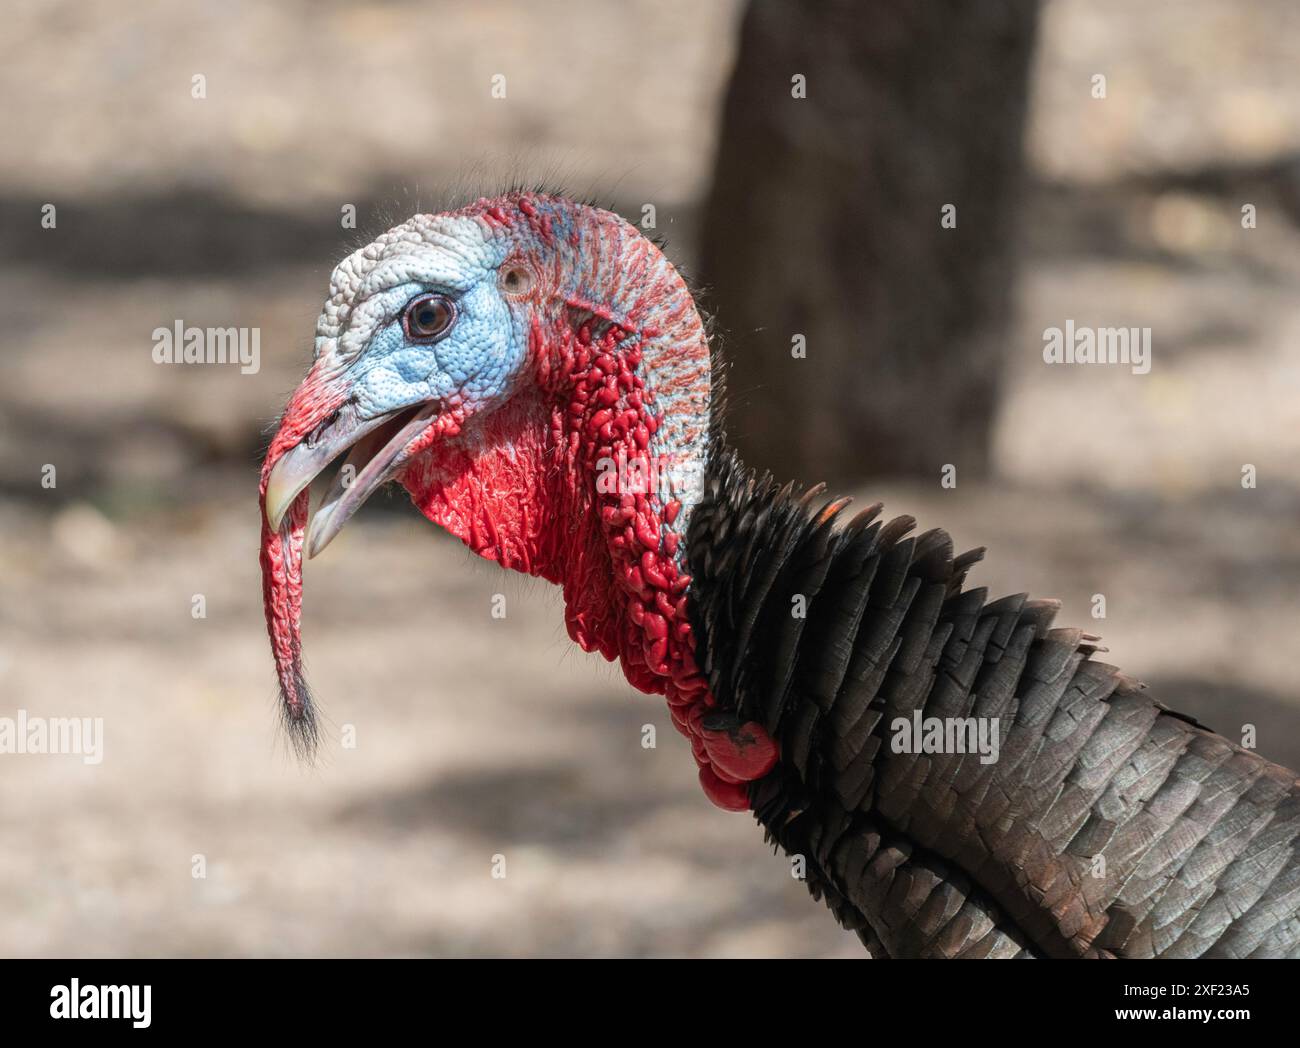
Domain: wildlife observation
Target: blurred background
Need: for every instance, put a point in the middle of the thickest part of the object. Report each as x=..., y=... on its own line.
x=478, y=737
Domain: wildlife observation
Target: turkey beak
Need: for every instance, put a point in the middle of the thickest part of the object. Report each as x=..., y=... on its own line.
x=295, y=470
x=379, y=448
x=304, y=462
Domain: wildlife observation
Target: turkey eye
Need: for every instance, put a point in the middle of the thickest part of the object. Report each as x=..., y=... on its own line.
x=429, y=317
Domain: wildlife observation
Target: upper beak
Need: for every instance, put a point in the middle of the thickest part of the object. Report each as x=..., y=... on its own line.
x=378, y=451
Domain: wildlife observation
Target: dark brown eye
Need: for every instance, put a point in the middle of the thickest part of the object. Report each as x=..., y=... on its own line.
x=428, y=317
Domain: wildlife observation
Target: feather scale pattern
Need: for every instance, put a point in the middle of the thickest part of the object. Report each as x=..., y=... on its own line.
x=1108, y=825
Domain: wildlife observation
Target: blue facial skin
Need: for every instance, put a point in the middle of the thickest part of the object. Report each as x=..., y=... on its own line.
x=472, y=366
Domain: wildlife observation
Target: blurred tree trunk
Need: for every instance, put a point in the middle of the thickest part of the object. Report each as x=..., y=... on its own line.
x=824, y=221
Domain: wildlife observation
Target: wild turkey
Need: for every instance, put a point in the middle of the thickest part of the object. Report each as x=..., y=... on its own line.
x=535, y=374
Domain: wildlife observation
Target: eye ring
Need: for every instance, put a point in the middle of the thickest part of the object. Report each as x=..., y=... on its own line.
x=516, y=279
x=428, y=317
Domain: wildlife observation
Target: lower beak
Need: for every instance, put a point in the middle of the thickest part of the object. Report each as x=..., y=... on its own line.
x=379, y=449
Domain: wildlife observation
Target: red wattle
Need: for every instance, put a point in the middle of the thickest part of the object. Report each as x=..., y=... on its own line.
x=727, y=796
x=531, y=489
x=744, y=753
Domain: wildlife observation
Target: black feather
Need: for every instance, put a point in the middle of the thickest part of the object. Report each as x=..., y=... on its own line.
x=1107, y=826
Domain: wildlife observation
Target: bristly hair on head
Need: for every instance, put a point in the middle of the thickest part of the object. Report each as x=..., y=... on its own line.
x=491, y=175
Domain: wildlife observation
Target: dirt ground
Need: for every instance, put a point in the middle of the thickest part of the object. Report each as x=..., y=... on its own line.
x=475, y=737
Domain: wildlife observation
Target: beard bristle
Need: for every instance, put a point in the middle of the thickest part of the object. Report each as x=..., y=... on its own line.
x=299, y=715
